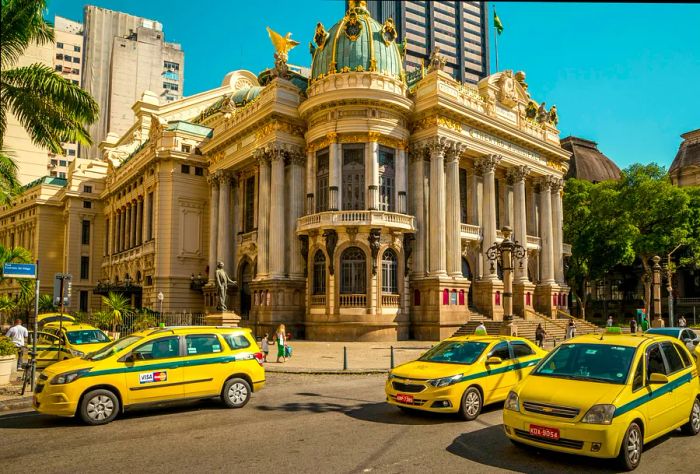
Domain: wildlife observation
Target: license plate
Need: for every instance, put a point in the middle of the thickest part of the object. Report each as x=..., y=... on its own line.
x=401, y=398
x=544, y=432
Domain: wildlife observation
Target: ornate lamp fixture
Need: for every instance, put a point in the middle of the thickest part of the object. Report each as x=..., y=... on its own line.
x=197, y=282
x=506, y=253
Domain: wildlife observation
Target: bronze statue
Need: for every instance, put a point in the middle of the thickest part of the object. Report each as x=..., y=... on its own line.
x=222, y=282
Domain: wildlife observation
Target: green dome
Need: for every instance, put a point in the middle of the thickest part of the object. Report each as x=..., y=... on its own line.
x=356, y=43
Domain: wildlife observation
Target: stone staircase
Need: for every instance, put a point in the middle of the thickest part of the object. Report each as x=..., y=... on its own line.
x=556, y=328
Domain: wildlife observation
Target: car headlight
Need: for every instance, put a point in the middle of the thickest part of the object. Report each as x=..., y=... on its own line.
x=75, y=353
x=599, y=415
x=512, y=402
x=68, y=377
x=445, y=381
x=391, y=376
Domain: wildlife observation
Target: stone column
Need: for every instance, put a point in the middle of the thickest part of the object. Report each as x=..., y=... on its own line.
x=147, y=218
x=223, y=246
x=401, y=180
x=487, y=165
x=213, y=224
x=416, y=155
x=236, y=224
x=277, y=230
x=454, y=239
x=122, y=233
x=134, y=220
x=263, y=212
x=296, y=208
x=115, y=231
x=656, y=291
x=310, y=182
x=372, y=171
x=516, y=177
x=557, y=231
x=139, y=221
x=546, y=235
x=335, y=168
x=437, y=263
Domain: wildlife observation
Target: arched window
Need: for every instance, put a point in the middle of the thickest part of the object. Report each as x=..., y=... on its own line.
x=353, y=197
x=322, y=180
x=319, y=283
x=390, y=269
x=387, y=180
x=353, y=264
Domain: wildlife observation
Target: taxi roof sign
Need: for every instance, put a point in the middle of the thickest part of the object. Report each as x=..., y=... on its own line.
x=19, y=270
x=613, y=330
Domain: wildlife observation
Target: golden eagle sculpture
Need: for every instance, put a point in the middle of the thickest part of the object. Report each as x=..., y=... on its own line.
x=283, y=45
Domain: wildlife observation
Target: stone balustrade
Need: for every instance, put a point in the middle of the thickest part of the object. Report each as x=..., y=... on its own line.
x=393, y=220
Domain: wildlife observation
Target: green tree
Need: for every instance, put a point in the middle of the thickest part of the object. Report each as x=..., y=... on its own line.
x=117, y=307
x=598, y=234
x=46, y=304
x=50, y=108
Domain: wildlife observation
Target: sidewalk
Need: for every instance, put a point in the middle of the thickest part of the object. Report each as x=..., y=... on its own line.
x=10, y=398
x=309, y=357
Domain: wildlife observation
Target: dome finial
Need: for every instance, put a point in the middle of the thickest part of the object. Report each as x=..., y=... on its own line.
x=358, y=6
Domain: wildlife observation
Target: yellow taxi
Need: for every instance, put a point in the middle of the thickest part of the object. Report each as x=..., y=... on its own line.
x=462, y=374
x=605, y=396
x=152, y=367
x=77, y=339
x=47, y=318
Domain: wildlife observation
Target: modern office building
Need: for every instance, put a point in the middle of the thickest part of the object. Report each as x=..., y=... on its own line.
x=345, y=206
x=459, y=29
x=125, y=56
x=64, y=56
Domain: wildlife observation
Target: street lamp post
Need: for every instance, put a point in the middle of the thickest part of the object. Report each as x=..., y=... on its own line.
x=505, y=253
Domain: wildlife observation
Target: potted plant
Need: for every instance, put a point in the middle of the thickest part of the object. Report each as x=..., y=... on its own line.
x=8, y=359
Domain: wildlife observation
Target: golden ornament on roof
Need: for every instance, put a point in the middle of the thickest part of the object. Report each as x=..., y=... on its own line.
x=282, y=44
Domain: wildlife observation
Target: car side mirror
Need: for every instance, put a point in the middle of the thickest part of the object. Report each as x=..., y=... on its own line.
x=494, y=361
x=656, y=378
x=130, y=357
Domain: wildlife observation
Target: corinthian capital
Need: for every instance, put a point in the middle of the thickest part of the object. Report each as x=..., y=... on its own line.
x=260, y=155
x=517, y=174
x=454, y=151
x=224, y=176
x=437, y=146
x=416, y=152
x=487, y=164
x=557, y=184
x=548, y=182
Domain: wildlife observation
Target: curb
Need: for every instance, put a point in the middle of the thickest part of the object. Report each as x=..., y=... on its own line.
x=300, y=371
x=16, y=404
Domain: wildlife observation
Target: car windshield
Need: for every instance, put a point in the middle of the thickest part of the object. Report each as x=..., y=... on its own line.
x=87, y=336
x=665, y=331
x=455, y=352
x=592, y=362
x=113, y=348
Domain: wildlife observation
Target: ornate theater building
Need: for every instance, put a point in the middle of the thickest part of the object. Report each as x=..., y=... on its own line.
x=354, y=204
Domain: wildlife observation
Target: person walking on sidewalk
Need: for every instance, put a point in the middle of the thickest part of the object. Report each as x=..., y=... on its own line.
x=540, y=334
x=571, y=329
x=265, y=346
x=281, y=339
x=633, y=326
x=19, y=335
x=480, y=329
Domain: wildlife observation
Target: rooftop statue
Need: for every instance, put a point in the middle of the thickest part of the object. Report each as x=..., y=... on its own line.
x=283, y=45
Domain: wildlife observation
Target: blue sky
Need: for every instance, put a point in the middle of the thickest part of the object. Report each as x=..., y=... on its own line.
x=624, y=75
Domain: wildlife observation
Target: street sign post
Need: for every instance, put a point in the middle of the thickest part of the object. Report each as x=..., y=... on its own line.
x=19, y=270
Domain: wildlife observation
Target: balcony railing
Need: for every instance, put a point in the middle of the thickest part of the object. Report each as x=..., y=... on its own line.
x=318, y=300
x=353, y=301
x=473, y=232
x=391, y=300
x=353, y=218
x=251, y=236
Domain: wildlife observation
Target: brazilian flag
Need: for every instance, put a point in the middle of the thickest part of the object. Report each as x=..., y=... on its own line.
x=497, y=22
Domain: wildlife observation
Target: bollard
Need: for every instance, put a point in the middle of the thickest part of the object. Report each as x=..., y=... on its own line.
x=345, y=358
x=392, y=357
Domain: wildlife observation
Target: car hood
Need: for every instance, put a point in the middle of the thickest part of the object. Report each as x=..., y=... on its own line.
x=67, y=365
x=88, y=348
x=571, y=393
x=422, y=370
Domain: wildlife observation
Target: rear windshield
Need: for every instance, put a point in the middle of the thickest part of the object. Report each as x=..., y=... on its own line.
x=87, y=336
x=455, y=352
x=591, y=362
x=236, y=341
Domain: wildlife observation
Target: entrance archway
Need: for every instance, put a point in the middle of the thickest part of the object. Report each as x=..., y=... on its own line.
x=245, y=276
x=467, y=273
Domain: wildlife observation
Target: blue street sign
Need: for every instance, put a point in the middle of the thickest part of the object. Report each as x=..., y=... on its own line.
x=19, y=270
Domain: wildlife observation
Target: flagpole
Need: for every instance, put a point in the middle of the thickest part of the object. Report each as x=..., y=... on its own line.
x=495, y=36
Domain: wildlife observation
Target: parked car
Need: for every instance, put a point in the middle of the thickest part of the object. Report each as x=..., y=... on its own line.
x=688, y=336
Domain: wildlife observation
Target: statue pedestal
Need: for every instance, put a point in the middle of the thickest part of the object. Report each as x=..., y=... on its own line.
x=223, y=318
x=509, y=329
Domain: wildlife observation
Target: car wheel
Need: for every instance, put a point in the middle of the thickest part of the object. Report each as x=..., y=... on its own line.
x=631, y=449
x=236, y=393
x=471, y=404
x=693, y=426
x=99, y=407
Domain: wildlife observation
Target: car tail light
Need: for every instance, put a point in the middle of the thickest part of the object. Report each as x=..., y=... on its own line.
x=259, y=357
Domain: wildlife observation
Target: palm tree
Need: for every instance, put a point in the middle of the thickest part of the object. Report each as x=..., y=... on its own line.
x=117, y=306
x=46, y=304
x=50, y=108
x=26, y=287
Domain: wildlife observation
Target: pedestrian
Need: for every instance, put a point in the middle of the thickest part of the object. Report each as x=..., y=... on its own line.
x=280, y=339
x=265, y=343
x=540, y=334
x=633, y=326
x=571, y=329
x=682, y=322
x=480, y=329
x=610, y=321
x=19, y=335
x=645, y=323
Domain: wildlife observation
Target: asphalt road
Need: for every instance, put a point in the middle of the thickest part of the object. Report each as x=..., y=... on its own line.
x=298, y=423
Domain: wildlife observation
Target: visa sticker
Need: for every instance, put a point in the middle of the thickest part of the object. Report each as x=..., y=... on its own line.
x=149, y=377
